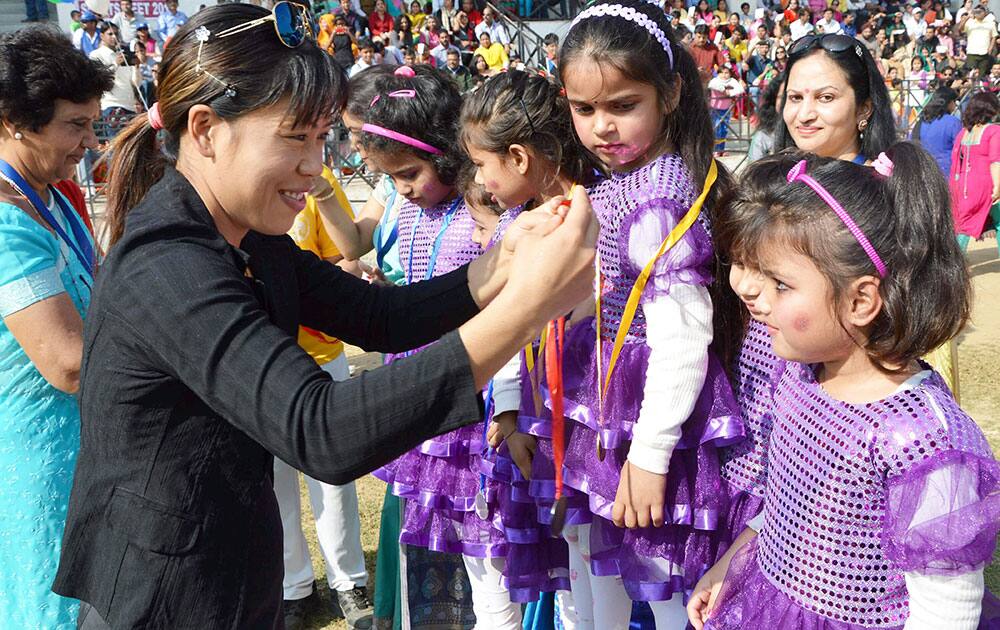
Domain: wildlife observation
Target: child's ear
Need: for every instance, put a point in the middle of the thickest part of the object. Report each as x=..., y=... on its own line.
x=519, y=158
x=673, y=97
x=864, y=302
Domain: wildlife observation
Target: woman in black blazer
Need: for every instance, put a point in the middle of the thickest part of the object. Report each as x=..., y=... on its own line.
x=192, y=377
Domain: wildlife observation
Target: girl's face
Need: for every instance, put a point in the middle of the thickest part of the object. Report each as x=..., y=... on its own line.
x=703, y=6
x=414, y=7
x=796, y=303
x=916, y=64
x=494, y=172
x=820, y=111
x=618, y=120
x=415, y=178
x=485, y=224
x=747, y=284
x=380, y=6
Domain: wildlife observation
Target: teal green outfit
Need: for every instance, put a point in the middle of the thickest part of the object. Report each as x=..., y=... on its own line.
x=39, y=426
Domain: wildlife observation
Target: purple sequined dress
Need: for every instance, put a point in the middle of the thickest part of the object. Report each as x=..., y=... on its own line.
x=744, y=463
x=440, y=478
x=636, y=211
x=856, y=496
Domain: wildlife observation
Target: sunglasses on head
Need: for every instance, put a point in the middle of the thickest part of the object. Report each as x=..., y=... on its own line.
x=293, y=23
x=830, y=42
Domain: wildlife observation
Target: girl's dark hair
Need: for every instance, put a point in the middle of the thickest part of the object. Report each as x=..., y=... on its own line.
x=631, y=50
x=38, y=66
x=517, y=107
x=239, y=74
x=767, y=109
x=936, y=107
x=362, y=88
x=982, y=108
x=865, y=79
x=430, y=116
x=926, y=293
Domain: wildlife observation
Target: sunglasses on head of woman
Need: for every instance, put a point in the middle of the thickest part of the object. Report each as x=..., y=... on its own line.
x=831, y=43
x=293, y=23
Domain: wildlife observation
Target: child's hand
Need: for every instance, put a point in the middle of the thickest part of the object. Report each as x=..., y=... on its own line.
x=522, y=450
x=502, y=426
x=705, y=591
x=639, y=500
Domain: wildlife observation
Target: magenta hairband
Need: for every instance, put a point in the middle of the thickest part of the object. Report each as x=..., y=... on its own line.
x=630, y=14
x=400, y=137
x=798, y=173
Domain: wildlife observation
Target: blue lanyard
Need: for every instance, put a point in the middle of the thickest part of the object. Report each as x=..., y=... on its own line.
x=82, y=248
x=437, y=241
x=859, y=159
x=488, y=416
x=387, y=242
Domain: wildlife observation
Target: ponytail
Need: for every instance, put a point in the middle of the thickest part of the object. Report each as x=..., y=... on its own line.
x=927, y=294
x=137, y=164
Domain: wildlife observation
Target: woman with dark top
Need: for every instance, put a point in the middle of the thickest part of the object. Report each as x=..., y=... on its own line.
x=191, y=375
x=938, y=126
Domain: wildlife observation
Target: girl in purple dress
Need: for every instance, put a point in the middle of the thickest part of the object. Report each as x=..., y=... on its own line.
x=882, y=499
x=647, y=401
x=410, y=134
x=515, y=128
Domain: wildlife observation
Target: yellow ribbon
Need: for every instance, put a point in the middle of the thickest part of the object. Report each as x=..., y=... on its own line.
x=632, y=304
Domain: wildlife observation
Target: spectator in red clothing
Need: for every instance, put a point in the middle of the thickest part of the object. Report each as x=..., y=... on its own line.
x=707, y=55
x=380, y=21
x=469, y=8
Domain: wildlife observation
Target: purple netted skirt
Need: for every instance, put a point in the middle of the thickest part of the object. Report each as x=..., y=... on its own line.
x=654, y=562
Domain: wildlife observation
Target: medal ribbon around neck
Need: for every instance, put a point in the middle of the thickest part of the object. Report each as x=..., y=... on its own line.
x=632, y=304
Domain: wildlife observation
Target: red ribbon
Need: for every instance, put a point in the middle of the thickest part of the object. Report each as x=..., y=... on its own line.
x=554, y=378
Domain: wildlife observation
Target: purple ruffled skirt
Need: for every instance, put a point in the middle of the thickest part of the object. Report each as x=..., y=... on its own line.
x=440, y=480
x=646, y=558
x=742, y=507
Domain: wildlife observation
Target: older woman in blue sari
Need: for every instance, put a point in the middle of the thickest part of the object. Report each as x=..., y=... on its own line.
x=49, y=99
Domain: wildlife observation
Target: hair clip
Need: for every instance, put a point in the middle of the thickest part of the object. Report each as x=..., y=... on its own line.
x=405, y=71
x=402, y=94
x=636, y=17
x=883, y=165
x=202, y=34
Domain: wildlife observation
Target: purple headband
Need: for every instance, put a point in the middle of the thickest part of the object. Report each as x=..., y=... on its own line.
x=400, y=137
x=630, y=14
x=798, y=174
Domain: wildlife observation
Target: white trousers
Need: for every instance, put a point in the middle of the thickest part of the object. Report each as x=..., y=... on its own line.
x=490, y=598
x=600, y=602
x=338, y=525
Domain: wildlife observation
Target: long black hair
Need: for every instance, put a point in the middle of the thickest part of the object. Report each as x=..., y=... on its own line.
x=630, y=49
x=237, y=75
x=935, y=108
x=865, y=79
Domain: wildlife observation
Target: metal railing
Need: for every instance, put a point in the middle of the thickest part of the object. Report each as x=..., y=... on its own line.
x=523, y=38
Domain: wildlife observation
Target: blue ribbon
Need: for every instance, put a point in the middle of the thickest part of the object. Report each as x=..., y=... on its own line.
x=81, y=246
x=388, y=241
x=437, y=241
x=487, y=417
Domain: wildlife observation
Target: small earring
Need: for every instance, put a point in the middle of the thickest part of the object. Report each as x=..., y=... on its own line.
x=18, y=135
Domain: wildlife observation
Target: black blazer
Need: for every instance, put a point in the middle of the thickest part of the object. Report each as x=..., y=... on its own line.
x=192, y=378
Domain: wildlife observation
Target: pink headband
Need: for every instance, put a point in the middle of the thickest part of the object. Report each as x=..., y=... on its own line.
x=631, y=15
x=400, y=137
x=154, y=117
x=798, y=173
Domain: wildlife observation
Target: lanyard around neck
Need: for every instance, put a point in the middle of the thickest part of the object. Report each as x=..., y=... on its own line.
x=436, y=249
x=81, y=245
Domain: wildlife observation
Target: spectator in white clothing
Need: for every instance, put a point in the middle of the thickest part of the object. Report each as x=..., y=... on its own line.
x=802, y=26
x=827, y=25
x=493, y=26
x=120, y=104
